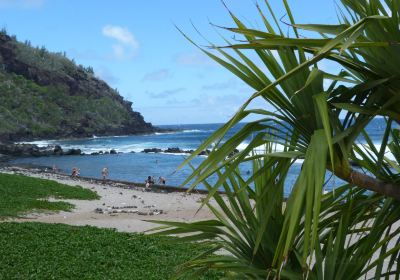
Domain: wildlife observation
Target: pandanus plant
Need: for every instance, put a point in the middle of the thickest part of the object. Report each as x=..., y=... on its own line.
x=351, y=231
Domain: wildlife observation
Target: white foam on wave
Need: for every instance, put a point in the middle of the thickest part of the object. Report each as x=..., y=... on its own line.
x=192, y=130
x=280, y=148
x=164, y=133
x=242, y=146
x=39, y=143
x=388, y=154
x=261, y=150
x=182, y=131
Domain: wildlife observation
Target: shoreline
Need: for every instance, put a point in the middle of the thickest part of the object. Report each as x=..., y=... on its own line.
x=27, y=139
x=44, y=170
x=123, y=206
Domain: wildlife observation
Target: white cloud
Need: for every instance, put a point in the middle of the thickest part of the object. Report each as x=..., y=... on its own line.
x=165, y=93
x=194, y=59
x=24, y=4
x=157, y=75
x=230, y=84
x=121, y=34
x=126, y=46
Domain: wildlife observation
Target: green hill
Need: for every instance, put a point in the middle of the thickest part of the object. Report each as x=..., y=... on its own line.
x=46, y=95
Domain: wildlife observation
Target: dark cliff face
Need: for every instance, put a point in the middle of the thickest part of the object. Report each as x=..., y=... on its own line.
x=46, y=95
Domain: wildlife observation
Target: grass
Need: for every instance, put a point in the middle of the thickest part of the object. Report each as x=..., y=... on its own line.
x=20, y=195
x=57, y=251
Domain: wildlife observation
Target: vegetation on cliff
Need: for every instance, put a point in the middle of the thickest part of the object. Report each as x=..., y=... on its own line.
x=45, y=94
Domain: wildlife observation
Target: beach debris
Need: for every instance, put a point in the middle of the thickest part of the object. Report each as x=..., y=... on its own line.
x=142, y=201
x=117, y=210
x=134, y=196
x=99, y=210
x=122, y=207
x=156, y=212
x=121, y=193
x=128, y=210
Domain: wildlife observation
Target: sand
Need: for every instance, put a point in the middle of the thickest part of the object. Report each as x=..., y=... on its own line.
x=169, y=206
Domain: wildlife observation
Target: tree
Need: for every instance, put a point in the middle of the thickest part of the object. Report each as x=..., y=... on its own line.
x=348, y=232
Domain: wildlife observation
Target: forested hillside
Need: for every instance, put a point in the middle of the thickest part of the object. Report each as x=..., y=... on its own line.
x=47, y=95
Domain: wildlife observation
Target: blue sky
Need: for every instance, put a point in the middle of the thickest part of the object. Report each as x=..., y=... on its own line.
x=135, y=47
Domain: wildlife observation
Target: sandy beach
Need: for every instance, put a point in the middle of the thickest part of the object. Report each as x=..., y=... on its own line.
x=121, y=206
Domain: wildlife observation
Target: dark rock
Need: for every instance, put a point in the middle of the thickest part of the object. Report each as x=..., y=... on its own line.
x=71, y=152
x=234, y=152
x=57, y=150
x=152, y=150
x=25, y=150
x=204, y=153
x=94, y=154
x=174, y=150
x=113, y=152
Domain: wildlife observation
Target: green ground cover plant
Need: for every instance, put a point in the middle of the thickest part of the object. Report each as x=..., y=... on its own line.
x=56, y=251
x=21, y=194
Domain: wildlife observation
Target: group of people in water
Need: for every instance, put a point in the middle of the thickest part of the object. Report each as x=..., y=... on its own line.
x=149, y=182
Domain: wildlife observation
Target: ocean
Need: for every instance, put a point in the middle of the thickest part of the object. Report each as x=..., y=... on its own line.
x=130, y=164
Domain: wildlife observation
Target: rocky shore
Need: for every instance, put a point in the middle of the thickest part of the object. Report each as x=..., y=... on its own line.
x=33, y=150
x=26, y=150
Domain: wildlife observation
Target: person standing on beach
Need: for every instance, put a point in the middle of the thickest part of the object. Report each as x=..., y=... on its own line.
x=150, y=180
x=104, y=173
x=75, y=172
x=161, y=180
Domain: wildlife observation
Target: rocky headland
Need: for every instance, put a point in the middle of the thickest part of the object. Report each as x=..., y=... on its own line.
x=45, y=95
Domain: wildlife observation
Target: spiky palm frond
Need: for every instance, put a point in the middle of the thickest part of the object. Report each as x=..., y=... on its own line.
x=346, y=233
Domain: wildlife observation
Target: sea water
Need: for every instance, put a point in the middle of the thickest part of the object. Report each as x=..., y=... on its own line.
x=130, y=164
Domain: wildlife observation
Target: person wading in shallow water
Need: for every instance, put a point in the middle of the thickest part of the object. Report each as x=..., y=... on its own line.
x=104, y=173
